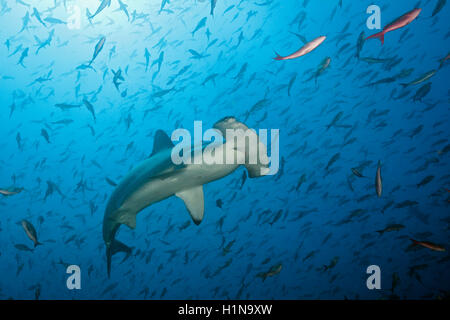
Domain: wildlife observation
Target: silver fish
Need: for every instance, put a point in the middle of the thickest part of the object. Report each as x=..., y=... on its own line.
x=378, y=181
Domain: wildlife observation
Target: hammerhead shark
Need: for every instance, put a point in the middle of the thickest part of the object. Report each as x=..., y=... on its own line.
x=158, y=178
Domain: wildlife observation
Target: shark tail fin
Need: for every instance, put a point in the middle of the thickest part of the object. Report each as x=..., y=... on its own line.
x=256, y=158
x=115, y=247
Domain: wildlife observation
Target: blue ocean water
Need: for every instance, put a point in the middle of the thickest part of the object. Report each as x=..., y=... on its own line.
x=308, y=232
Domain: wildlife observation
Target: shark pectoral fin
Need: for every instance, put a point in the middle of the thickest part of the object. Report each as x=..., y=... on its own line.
x=194, y=201
x=128, y=220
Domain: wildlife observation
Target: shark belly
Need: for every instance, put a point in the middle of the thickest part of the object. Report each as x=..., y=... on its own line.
x=144, y=186
x=159, y=189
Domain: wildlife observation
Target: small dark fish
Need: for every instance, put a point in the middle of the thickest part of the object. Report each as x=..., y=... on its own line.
x=44, y=133
x=23, y=56
x=360, y=44
x=406, y=204
x=117, y=77
x=439, y=5
x=84, y=67
x=147, y=58
x=332, y=264
x=416, y=131
x=103, y=5
x=38, y=16
x=65, y=106
x=274, y=270
x=277, y=217
x=357, y=173
x=390, y=228
x=371, y=60
x=200, y=25
x=111, y=182
x=22, y=247
x=387, y=206
x=64, y=121
x=336, y=118
x=422, y=92
x=90, y=107
x=425, y=181
x=332, y=160
x=31, y=232
x=291, y=83
x=227, y=248
x=184, y=226
x=54, y=20
x=300, y=182
x=302, y=38
x=19, y=141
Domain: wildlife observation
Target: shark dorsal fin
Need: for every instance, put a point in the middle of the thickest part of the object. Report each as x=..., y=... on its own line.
x=161, y=142
x=194, y=201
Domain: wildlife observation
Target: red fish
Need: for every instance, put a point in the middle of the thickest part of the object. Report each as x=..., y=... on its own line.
x=404, y=20
x=307, y=48
x=429, y=245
